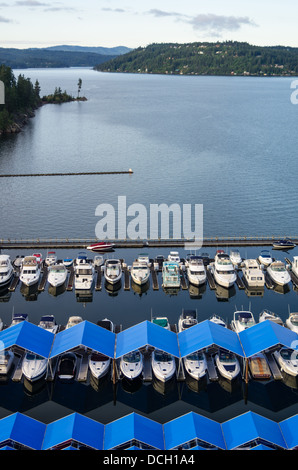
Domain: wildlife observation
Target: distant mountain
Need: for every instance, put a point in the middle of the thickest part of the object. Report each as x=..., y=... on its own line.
x=115, y=51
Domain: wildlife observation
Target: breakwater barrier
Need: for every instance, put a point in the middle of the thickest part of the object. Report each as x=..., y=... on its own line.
x=85, y=173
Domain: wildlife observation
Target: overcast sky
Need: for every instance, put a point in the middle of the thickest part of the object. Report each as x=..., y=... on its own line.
x=133, y=23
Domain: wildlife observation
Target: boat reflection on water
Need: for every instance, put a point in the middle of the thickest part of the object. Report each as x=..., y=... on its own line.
x=254, y=292
x=281, y=289
x=195, y=385
x=55, y=291
x=131, y=386
x=164, y=388
x=140, y=289
x=230, y=386
x=196, y=292
x=171, y=291
x=33, y=388
x=83, y=295
x=113, y=289
x=223, y=293
x=100, y=384
x=290, y=381
x=30, y=292
x=5, y=294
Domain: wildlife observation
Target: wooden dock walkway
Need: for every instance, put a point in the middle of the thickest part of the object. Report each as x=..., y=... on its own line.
x=213, y=377
x=210, y=279
x=239, y=282
x=83, y=368
x=155, y=284
x=126, y=278
x=17, y=373
x=276, y=373
x=98, y=278
x=44, y=278
x=14, y=282
x=70, y=279
x=184, y=284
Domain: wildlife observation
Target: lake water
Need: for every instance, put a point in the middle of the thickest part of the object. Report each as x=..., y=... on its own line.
x=228, y=143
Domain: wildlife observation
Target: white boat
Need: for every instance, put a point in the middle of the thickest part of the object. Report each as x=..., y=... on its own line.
x=113, y=271
x=218, y=320
x=294, y=267
x=242, y=320
x=287, y=360
x=73, y=320
x=163, y=365
x=48, y=322
x=140, y=272
x=223, y=269
x=6, y=270
x=34, y=366
x=187, y=319
x=227, y=364
x=67, y=366
x=161, y=321
x=38, y=256
x=1, y=324
x=174, y=257
x=31, y=270
x=196, y=271
x=252, y=273
x=18, y=318
x=99, y=364
x=51, y=258
x=265, y=257
x=235, y=257
x=259, y=367
x=131, y=365
x=6, y=361
x=170, y=274
x=57, y=275
x=98, y=260
x=84, y=273
x=195, y=365
x=284, y=244
x=100, y=246
x=278, y=273
x=67, y=262
x=292, y=322
x=267, y=315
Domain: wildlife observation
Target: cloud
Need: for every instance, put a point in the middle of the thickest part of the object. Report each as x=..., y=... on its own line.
x=161, y=13
x=217, y=24
x=5, y=20
x=30, y=3
x=117, y=10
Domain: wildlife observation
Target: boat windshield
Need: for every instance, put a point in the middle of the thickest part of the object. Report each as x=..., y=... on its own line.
x=287, y=354
x=161, y=356
x=246, y=318
x=226, y=357
x=161, y=322
x=197, y=356
x=132, y=357
x=294, y=320
x=33, y=357
x=278, y=267
x=58, y=269
x=225, y=272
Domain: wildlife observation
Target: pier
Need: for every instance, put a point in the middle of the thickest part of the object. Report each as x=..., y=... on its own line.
x=91, y=173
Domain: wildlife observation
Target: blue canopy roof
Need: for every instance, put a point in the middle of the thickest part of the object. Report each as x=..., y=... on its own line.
x=146, y=334
x=74, y=427
x=191, y=426
x=22, y=430
x=84, y=334
x=289, y=429
x=265, y=335
x=133, y=426
x=27, y=336
x=250, y=426
x=206, y=334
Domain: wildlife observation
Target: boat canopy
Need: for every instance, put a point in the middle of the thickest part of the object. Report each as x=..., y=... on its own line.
x=190, y=427
x=146, y=334
x=86, y=334
x=249, y=427
x=22, y=430
x=134, y=427
x=76, y=428
x=289, y=431
x=27, y=336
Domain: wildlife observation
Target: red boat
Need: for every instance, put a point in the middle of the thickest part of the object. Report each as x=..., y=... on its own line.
x=100, y=246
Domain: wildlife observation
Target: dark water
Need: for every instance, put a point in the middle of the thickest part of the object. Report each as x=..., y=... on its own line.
x=226, y=143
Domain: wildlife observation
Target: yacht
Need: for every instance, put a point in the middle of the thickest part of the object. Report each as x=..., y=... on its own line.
x=252, y=273
x=265, y=258
x=227, y=364
x=18, y=318
x=287, y=360
x=34, y=367
x=131, y=365
x=57, y=275
x=174, y=257
x=196, y=271
x=170, y=274
x=218, y=320
x=267, y=315
x=294, y=267
x=73, y=320
x=195, y=365
x=163, y=365
x=67, y=366
x=6, y=361
x=278, y=273
x=223, y=270
x=140, y=272
x=48, y=322
x=84, y=273
x=30, y=271
x=235, y=257
x=259, y=367
x=113, y=271
x=51, y=258
x=242, y=320
x=292, y=322
x=6, y=270
x=161, y=321
x=99, y=364
x=187, y=319
x=284, y=244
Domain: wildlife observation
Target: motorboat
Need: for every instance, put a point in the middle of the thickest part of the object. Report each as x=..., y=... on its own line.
x=187, y=319
x=1, y=324
x=18, y=261
x=235, y=257
x=140, y=272
x=259, y=367
x=294, y=266
x=112, y=271
x=252, y=273
x=163, y=365
x=279, y=273
x=67, y=366
x=174, y=257
x=218, y=320
x=38, y=256
x=68, y=262
x=99, y=364
x=84, y=273
x=57, y=275
x=292, y=322
x=144, y=258
x=98, y=261
x=158, y=262
x=242, y=320
x=265, y=258
x=223, y=269
x=267, y=315
x=195, y=270
x=51, y=258
x=161, y=321
x=30, y=271
x=106, y=324
x=227, y=364
x=34, y=366
x=196, y=365
x=287, y=360
x=18, y=318
x=131, y=365
x=6, y=361
x=48, y=322
x=100, y=246
x=283, y=244
x=6, y=270
x=73, y=320
x=170, y=274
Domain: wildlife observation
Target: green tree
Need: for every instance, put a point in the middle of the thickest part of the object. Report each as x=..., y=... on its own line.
x=79, y=86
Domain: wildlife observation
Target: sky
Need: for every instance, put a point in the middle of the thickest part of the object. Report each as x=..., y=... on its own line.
x=134, y=23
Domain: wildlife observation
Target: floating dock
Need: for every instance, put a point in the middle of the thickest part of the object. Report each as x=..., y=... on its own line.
x=210, y=279
x=154, y=279
x=14, y=283
x=70, y=279
x=43, y=281
x=98, y=278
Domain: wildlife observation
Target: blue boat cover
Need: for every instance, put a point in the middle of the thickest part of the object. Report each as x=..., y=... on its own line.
x=289, y=430
x=28, y=336
x=193, y=426
x=74, y=427
x=133, y=427
x=146, y=334
x=250, y=426
x=265, y=335
x=84, y=334
x=22, y=430
x=206, y=334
